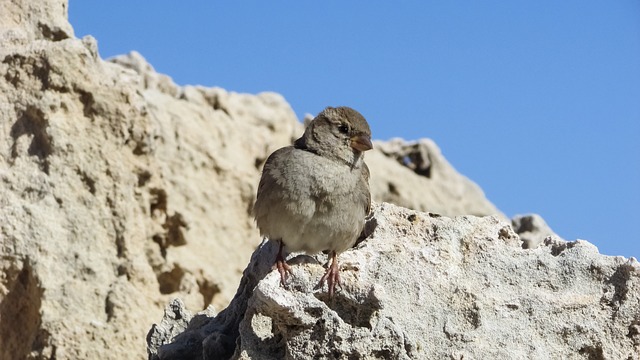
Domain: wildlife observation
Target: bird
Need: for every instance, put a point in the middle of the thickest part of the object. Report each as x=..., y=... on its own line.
x=314, y=196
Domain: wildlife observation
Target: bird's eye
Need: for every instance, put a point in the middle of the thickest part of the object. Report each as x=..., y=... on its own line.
x=343, y=128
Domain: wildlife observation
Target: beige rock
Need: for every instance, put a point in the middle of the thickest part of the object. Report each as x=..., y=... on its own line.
x=430, y=287
x=72, y=229
x=532, y=229
x=120, y=190
x=425, y=181
x=24, y=21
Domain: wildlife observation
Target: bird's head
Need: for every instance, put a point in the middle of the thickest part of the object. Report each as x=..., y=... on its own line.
x=340, y=133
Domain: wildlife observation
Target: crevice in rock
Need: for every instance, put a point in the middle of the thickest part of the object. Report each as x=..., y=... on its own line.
x=121, y=247
x=158, y=201
x=393, y=189
x=507, y=233
x=42, y=344
x=140, y=148
x=89, y=182
x=592, y=352
x=208, y=289
x=88, y=103
x=109, y=307
x=33, y=122
x=20, y=314
x=173, y=234
x=216, y=339
x=27, y=66
x=118, y=224
x=53, y=34
x=169, y=281
x=143, y=177
x=558, y=247
x=215, y=103
x=619, y=281
x=174, y=225
x=414, y=156
x=162, y=244
x=258, y=161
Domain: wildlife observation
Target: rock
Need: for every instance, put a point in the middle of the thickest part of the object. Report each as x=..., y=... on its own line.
x=532, y=229
x=73, y=223
x=430, y=287
x=175, y=321
x=425, y=181
x=27, y=21
x=120, y=190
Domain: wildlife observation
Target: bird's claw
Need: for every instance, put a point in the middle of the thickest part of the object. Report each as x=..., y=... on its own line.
x=284, y=269
x=331, y=276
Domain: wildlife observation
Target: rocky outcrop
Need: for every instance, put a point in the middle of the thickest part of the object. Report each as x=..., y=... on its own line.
x=425, y=181
x=120, y=190
x=425, y=287
x=533, y=230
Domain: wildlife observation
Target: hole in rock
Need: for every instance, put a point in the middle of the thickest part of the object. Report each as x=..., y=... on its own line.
x=169, y=281
x=20, y=314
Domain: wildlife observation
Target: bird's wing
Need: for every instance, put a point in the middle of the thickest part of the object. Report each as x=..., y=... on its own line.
x=366, y=190
x=269, y=178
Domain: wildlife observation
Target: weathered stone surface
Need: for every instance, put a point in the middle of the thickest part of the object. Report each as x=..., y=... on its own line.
x=72, y=230
x=24, y=21
x=120, y=190
x=437, y=188
x=532, y=229
x=430, y=287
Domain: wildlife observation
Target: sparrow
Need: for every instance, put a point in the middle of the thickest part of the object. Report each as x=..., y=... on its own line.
x=314, y=196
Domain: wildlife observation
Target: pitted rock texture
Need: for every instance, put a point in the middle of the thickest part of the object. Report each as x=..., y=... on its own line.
x=424, y=286
x=532, y=229
x=120, y=190
x=425, y=181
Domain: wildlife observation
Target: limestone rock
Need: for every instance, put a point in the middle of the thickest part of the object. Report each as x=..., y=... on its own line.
x=120, y=190
x=424, y=181
x=26, y=21
x=73, y=226
x=430, y=287
x=117, y=196
x=532, y=229
x=175, y=321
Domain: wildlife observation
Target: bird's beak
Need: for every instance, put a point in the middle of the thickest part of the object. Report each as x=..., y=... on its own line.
x=361, y=143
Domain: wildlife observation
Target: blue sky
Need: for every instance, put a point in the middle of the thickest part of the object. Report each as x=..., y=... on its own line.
x=538, y=102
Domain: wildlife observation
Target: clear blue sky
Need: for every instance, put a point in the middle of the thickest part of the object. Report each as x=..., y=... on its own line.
x=537, y=101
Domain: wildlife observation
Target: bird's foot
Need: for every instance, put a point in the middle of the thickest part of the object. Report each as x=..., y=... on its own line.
x=331, y=276
x=283, y=268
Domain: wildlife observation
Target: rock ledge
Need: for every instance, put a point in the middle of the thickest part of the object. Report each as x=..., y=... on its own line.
x=424, y=286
